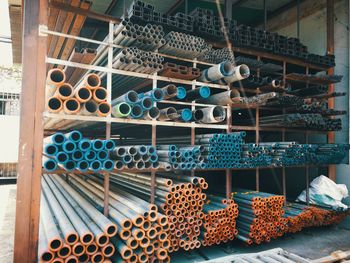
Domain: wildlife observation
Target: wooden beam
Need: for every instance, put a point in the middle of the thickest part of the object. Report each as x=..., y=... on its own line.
x=330, y=50
x=87, y=13
x=289, y=15
x=31, y=132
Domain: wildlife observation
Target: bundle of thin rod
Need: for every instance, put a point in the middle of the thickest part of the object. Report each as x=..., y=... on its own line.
x=142, y=229
x=257, y=100
x=135, y=156
x=219, y=223
x=183, y=45
x=318, y=106
x=310, y=91
x=285, y=100
x=71, y=228
x=254, y=81
x=300, y=216
x=148, y=37
x=298, y=120
x=218, y=55
x=180, y=199
x=71, y=151
x=86, y=98
x=260, y=216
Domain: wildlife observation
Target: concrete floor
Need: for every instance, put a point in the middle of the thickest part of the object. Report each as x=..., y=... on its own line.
x=7, y=221
x=311, y=243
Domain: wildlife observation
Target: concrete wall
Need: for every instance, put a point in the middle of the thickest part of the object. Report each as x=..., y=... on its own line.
x=313, y=34
x=9, y=139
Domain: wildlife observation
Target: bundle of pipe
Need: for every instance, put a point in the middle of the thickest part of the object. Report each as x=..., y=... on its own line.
x=138, y=106
x=301, y=216
x=254, y=155
x=222, y=150
x=297, y=120
x=257, y=100
x=142, y=229
x=219, y=223
x=214, y=114
x=260, y=216
x=179, y=197
x=135, y=156
x=285, y=100
x=71, y=228
x=182, y=157
x=253, y=81
x=71, y=151
x=148, y=37
x=183, y=45
x=218, y=55
x=225, y=73
x=318, y=106
x=310, y=91
x=86, y=98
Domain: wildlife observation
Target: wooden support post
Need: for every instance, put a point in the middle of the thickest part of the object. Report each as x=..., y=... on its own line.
x=330, y=50
x=31, y=132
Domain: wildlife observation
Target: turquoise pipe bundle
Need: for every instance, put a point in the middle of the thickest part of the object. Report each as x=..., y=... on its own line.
x=71, y=151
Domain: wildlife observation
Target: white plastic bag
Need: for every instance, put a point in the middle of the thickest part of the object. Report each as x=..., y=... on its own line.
x=324, y=191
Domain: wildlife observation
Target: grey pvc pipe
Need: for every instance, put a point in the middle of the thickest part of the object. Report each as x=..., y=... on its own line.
x=213, y=114
x=223, y=98
x=240, y=72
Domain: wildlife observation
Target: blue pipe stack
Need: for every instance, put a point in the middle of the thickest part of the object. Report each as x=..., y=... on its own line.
x=254, y=155
x=71, y=151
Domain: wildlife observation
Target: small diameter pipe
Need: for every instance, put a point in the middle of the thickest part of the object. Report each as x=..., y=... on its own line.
x=136, y=112
x=84, y=145
x=121, y=110
x=167, y=114
x=213, y=114
x=223, y=98
x=54, y=105
x=131, y=97
x=64, y=91
x=104, y=109
x=169, y=91
x=58, y=138
x=217, y=72
x=240, y=72
x=50, y=149
x=83, y=94
x=109, y=145
x=155, y=94
x=83, y=165
x=75, y=136
x=91, y=81
x=202, y=92
x=55, y=77
x=151, y=114
x=99, y=94
x=89, y=108
x=71, y=106
x=49, y=164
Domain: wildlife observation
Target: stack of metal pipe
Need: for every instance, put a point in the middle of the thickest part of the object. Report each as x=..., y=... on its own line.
x=218, y=55
x=285, y=100
x=260, y=216
x=254, y=81
x=183, y=45
x=142, y=229
x=297, y=120
x=135, y=157
x=182, y=157
x=255, y=155
x=301, y=216
x=310, y=91
x=219, y=223
x=71, y=228
x=86, y=98
x=148, y=37
x=71, y=151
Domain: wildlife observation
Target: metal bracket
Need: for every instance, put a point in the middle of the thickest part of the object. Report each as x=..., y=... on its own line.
x=42, y=30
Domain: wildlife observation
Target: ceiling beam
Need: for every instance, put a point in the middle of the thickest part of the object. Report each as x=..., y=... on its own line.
x=87, y=13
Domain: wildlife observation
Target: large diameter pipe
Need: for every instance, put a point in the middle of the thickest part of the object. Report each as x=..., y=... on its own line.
x=90, y=81
x=83, y=94
x=104, y=109
x=213, y=114
x=136, y=111
x=155, y=94
x=121, y=110
x=64, y=91
x=71, y=106
x=239, y=73
x=170, y=91
x=202, y=92
x=217, y=72
x=55, y=77
x=99, y=94
x=151, y=114
x=89, y=108
x=54, y=105
x=131, y=97
x=223, y=98
x=167, y=114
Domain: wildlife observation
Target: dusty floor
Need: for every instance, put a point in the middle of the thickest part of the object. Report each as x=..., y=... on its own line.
x=7, y=221
x=311, y=243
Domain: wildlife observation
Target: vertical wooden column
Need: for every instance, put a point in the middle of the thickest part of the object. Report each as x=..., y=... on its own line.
x=193, y=107
x=284, y=183
x=330, y=50
x=31, y=132
x=228, y=171
x=108, y=124
x=257, y=134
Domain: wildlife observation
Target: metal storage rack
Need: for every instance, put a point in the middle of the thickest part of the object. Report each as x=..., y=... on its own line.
x=33, y=116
